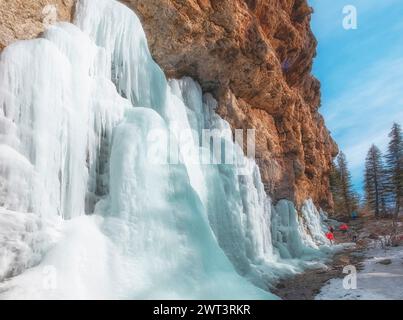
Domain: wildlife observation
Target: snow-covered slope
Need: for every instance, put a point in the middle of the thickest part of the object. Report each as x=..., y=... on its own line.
x=377, y=281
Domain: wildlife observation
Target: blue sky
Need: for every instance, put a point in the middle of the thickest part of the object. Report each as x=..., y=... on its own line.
x=361, y=72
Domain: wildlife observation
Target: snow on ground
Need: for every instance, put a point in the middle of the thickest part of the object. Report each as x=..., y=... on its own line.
x=376, y=281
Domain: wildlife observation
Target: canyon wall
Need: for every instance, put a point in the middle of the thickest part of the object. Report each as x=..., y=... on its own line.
x=254, y=56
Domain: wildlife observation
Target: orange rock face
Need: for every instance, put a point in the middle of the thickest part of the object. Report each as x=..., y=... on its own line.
x=25, y=19
x=255, y=56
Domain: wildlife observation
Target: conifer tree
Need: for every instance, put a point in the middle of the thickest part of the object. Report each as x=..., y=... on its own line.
x=335, y=187
x=374, y=178
x=394, y=167
x=345, y=199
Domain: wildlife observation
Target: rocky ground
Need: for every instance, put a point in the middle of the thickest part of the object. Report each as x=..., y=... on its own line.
x=381, y=278
x=383, y=236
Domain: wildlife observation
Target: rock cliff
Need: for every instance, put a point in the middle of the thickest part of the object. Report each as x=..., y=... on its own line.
x=254, y=56
x=25, y=19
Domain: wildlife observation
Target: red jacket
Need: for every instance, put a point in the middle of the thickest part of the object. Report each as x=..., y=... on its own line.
x=344, y=227
x=330, y=236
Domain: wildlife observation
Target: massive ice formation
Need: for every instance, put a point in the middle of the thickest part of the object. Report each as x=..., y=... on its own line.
x=86, y=209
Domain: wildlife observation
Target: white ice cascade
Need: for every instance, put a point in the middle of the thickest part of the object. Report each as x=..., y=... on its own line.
x=82, y=205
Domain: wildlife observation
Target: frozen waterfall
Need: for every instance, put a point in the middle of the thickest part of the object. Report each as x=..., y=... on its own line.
x=94, y=203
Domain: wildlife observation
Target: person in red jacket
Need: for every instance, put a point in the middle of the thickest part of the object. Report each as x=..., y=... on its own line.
x=330, y=237
x=344, y=228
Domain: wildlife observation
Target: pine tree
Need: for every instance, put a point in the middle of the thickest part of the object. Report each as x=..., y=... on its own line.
x=345, y=199
x=394, y=163
x=375, y=181
x=334, y=181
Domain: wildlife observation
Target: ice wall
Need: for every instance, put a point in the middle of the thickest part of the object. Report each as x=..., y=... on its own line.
x=78, y=108
x=298, y=236
x=58, y=110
